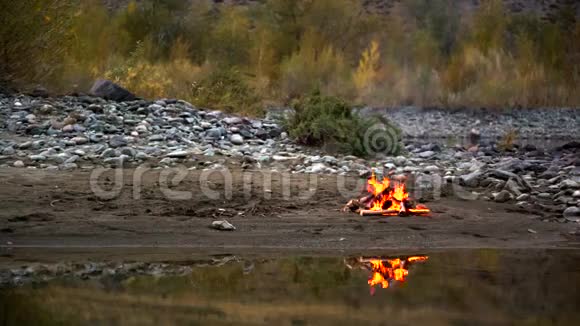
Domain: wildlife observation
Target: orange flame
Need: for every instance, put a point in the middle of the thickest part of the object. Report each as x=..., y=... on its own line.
x=389, y=270
x=393, y=192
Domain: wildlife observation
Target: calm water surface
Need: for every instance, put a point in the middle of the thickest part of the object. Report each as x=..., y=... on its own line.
x=476, y=287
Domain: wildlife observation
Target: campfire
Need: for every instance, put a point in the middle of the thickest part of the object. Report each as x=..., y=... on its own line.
x=386, y=198
x=386, y=271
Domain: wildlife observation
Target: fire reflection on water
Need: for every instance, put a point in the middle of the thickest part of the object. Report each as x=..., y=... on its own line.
x=385, y=271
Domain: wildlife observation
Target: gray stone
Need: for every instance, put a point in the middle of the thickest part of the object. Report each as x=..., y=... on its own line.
x=25, y=145
x=513, y=187
x=109, y=152
x=141, y=156
x=572, y=214
x=569, y=184
x=117, y=141
x=215, y=133
x=564, y=200
x=79, y=128
x=506, y=175
x=400, y=160
x=544, y=195
x=576, y=194
x=232, y=120
x=237, y=139
x=141, y=129
x=426, y=154
x=167, y=161
x=502, y=196
x=96, y=138
x=157, y=137
x=71, y=159
x=9, y=151
x=61, y=157
x=37, y=158
x=329, y=160
x=111, y=91
x=128, y=151
x=115, y=161
x=472, y=179
x=524, y=205
x=523, y=197
x=264, y=158
x=69, y=166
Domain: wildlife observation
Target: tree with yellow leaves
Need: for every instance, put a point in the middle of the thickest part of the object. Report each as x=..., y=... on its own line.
x=365, y=76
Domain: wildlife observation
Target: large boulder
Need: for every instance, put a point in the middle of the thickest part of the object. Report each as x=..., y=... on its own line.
x=111, y=91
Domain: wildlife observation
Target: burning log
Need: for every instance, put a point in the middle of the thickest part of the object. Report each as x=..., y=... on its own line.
x=354, y=205
x=385, y=212
x=386, y=198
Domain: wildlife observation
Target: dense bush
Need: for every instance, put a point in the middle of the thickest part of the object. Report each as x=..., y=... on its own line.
x=320, y=120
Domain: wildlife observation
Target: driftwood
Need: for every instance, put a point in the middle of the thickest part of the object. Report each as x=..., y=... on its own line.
x=356, y=204
x=367, y=212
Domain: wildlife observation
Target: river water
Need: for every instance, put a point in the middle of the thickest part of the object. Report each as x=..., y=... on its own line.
x=465, y=287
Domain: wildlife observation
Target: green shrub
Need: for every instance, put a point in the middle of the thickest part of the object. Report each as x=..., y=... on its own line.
x=326, y=120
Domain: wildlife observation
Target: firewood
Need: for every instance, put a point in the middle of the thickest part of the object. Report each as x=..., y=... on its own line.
x=366, y=212
x=352, y=206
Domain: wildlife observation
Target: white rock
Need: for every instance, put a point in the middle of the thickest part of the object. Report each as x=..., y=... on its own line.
x=80, y=140
x=222, y=225
x=284, y=158
x=166, y=161
x=18, y=164
x=390, y=166
x=141, y=156
x=237, y=139
x=79, y=152
x=178, y=154
x=431, y=168
x=316, y=168
x=141, y=129
x=232, y=120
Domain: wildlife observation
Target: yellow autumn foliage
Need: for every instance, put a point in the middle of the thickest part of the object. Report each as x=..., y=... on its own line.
x=365, y=76
x=424, y=52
